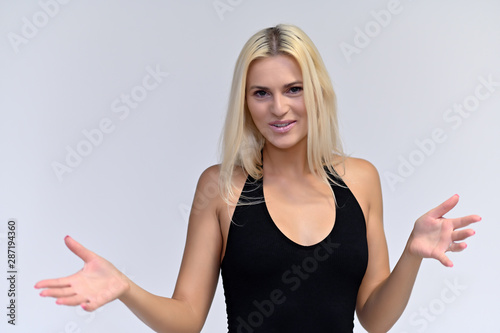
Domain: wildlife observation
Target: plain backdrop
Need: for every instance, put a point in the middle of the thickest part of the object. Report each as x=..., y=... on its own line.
x=110, y=111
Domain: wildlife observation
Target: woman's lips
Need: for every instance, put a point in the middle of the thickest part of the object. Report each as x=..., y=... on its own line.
x=282, y=126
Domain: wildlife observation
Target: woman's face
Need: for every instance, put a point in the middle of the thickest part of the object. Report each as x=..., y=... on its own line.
x=275, y=99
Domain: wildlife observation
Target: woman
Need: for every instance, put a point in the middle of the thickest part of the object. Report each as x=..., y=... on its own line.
x=296, y=228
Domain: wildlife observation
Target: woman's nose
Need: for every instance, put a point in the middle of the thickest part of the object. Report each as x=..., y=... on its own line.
x=280, y=106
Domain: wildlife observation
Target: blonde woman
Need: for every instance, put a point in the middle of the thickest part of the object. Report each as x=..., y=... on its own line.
x=296, y=230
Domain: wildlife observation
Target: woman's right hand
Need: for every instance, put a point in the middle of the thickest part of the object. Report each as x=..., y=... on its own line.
x=98, y=283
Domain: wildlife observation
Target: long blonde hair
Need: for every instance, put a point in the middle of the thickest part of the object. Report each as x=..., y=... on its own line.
x=242, y=142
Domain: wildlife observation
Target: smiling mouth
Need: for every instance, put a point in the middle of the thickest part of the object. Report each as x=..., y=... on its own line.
x=281, y=125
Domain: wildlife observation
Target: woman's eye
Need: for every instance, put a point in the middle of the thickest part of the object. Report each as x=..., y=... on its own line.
x=295, y=90
x=260, y=93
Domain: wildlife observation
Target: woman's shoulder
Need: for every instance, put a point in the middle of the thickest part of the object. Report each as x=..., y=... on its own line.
x=357, y=170
x=362, y=179
x=210, y=179
x=213, y=172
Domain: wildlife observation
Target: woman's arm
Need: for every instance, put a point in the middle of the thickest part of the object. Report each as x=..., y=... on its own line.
x=99, y=282
x=383, y=295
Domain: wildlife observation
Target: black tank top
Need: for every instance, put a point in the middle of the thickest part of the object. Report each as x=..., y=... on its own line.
x=272, y=284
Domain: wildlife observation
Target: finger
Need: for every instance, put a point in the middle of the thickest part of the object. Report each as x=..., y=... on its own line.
x=445, y=207
x=465, y=221
x=58, y=292
x=89, y=306
x=79, y=249
x=459, y=235
x=53, y=283
x=445, y=260
x=71, y=300
x=457, y=247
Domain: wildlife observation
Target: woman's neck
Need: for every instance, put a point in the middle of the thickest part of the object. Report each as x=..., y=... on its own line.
x=289, y=163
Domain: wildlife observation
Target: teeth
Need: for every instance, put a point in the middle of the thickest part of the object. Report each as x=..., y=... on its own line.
x=281, y=125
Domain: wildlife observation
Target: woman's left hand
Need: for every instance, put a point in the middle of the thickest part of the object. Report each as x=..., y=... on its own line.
x=433, y=234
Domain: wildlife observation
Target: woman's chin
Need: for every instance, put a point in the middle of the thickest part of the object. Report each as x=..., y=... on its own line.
x=286, y=144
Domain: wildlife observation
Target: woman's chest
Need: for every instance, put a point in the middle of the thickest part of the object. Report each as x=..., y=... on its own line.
x=302, y=213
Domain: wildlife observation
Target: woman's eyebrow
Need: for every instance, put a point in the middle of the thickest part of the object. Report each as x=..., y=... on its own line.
x=288, y=85
x=292, y=84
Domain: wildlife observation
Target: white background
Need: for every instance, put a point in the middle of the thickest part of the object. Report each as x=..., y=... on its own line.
x=129, y=198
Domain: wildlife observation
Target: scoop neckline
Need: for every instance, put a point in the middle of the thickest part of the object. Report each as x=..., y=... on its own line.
x=288, y=239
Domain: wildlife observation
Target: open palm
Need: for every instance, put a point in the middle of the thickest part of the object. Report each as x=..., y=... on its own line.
x=433, y=234
x=96, y=284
